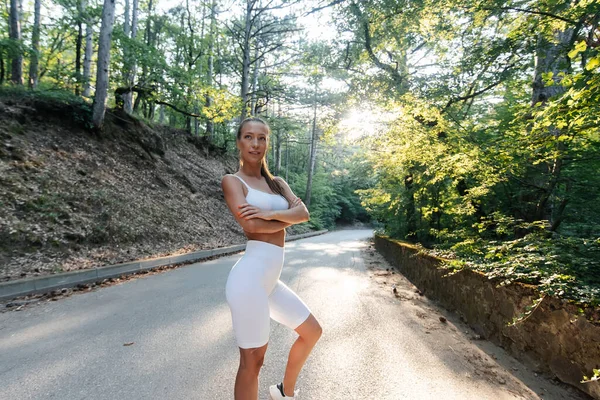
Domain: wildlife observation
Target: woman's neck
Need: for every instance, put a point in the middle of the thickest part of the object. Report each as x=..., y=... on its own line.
x=251, y=170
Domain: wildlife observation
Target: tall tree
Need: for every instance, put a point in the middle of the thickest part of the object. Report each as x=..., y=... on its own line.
x=551, y=58
x=313, y=150
x=210, y=127
x=102, y=69
x=89, y=51
x=79, y=45
x=35, y=46
x=261, y=31
x=130, y=30
x=15, y=36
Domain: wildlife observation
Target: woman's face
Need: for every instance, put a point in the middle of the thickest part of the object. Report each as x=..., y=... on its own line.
x=253, y=142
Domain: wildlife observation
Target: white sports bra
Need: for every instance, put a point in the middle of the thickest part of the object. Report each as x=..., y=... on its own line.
x=263, y=200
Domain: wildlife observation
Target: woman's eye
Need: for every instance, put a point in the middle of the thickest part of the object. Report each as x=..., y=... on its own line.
x=262, y=138
x=248, y=137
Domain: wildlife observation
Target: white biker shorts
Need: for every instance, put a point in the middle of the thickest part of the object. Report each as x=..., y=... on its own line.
x=255, y=294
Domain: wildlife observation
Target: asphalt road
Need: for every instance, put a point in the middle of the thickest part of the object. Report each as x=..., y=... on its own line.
x=180, y=344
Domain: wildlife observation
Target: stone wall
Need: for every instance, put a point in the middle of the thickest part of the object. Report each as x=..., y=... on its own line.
x=552, y=339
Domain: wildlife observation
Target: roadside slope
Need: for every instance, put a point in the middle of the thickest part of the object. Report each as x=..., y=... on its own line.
x=70, y=199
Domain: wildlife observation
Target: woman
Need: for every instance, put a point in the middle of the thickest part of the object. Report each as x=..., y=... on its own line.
x=264, y=206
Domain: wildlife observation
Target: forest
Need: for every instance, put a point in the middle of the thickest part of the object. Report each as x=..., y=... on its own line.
x=468, y=127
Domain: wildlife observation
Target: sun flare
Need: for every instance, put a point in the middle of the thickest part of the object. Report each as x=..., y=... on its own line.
x=360, y=122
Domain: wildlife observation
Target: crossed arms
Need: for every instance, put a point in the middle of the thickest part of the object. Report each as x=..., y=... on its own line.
x=254, y=220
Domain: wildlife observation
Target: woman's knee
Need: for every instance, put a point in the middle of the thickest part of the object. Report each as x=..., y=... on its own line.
x=252, y=360
x=310, y=330
x=317, y=331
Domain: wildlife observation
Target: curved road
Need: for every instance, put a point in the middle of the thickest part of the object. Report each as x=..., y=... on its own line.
x=375, y=345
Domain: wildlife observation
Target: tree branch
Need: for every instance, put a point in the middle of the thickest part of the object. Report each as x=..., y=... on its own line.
x=479, y=92
x=178, y=109
x=267, y=51
x=398, y=79
x=317, y=9
x=544, y=13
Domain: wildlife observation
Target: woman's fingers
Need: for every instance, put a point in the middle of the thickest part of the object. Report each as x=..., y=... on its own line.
x=297, y=201
x=259, y=214
x=247, y=210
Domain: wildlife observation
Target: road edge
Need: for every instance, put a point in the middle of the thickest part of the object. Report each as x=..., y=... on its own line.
x=27, y=286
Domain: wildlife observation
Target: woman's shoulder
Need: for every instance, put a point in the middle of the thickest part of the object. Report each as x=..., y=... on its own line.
x=229, y=177
x=230, y=180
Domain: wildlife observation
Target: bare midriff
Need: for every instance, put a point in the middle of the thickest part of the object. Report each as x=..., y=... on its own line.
x=277, y=238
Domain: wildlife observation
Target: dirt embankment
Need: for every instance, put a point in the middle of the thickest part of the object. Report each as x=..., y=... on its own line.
x=71, y=199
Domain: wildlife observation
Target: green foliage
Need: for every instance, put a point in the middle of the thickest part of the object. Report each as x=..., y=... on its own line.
x=468, y=165
x=561, y=266
x=44, y=93
x=56, y=99
x=11, y=47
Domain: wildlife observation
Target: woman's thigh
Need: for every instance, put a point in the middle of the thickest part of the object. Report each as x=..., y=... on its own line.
x=250, y=317
x=286, y=307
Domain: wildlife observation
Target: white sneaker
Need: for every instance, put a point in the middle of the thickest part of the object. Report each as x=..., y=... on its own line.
x=275, y=392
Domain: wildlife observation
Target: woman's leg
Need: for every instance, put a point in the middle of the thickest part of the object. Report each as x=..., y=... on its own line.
x=310, y=332
x=246, y=381
x=288, y=309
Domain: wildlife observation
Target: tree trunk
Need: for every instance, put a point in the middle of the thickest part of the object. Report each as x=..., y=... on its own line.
x=35, y=46
x=551, y=57
x=161, y=114
x=127, y=20
x=278, y=142
x=287, y=158
x=78, y=45
x=102, y=75
x=150, y=43
x=188, y=124
x=411, y=210
x=151, y=110
x=149, y=24
x=277, y=146
x=89, y=52
x=196, y=122
x=127, y=98
x=2, y=68
x=246, y=58
x=130, y=31
x=134, y=19
x=313, y=152
x=210, y=128
x=253, y=97
x=138, y=100
x=15, y=35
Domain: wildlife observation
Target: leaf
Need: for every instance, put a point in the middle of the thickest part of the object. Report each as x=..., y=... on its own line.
x=579, y=48
x=593, y=63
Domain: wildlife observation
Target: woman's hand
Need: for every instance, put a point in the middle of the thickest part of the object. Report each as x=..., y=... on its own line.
x=248, y=211
x=296, y=202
